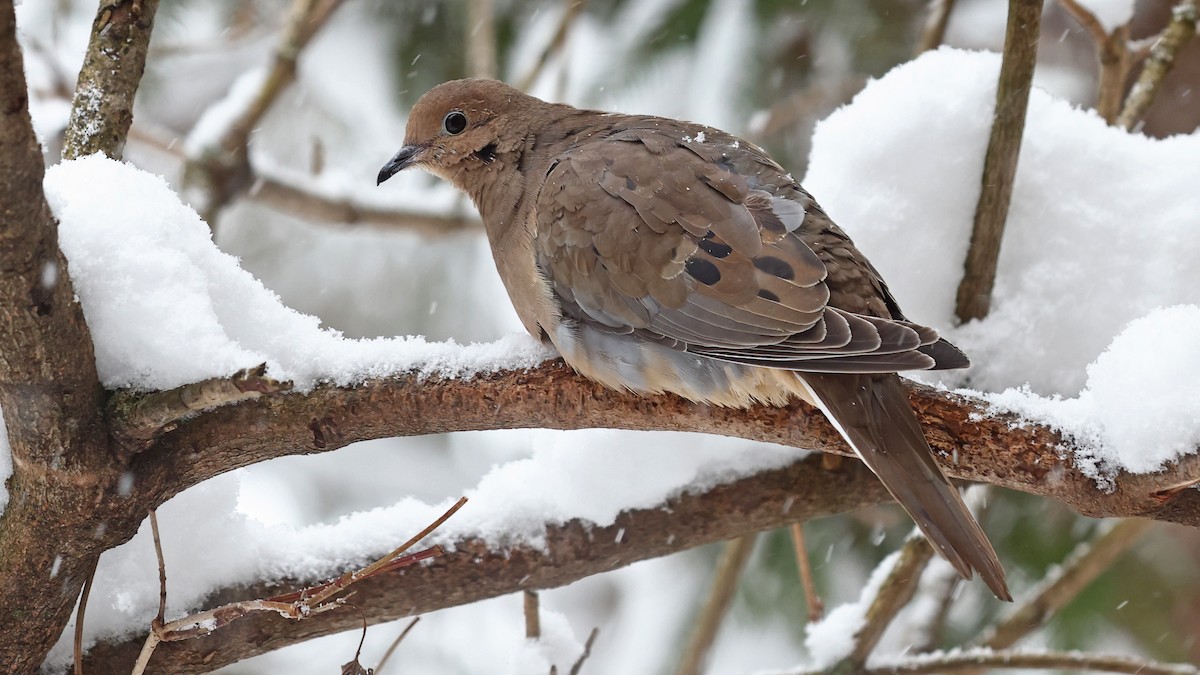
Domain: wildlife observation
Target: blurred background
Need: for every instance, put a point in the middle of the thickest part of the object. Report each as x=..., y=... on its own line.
x=766, y=70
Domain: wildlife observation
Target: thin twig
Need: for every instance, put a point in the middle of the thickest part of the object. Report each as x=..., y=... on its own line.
x=934, y=30
x=896, y=591
x=533, y=622
x=108, y=80
x=379, y=565
x=587, y=651
x=1116, y=59
x=79, y=614
x=572, y=12
x=816, y=607
x=1000, y=162
x=733, y=560
x=395, y=643
x=1081, y=567
x=162, y=569
x=1180, y=31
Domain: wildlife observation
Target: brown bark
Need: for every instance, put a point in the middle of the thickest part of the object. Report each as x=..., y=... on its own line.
x=49, y=392
x=1000, y=163
x=802, y=491
x=109, y=78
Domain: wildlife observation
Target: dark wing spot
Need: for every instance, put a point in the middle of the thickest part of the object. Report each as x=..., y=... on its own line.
x=629, y=184
x=774, y=266
x=703, y=271
x=715, y=249
x=768, y=295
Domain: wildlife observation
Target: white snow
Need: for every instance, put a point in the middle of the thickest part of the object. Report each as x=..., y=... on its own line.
x=833, y=637
x=1102, y=231
x=1138, y=409
x=207, y=543
x=166, y=307
x=220, y=116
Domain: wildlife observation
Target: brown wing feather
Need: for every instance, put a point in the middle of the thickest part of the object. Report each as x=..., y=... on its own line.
x=716, y=252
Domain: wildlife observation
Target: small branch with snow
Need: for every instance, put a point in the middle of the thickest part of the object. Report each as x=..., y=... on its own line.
x=298, y=605
x=730, y=566
x=138, y=419
x=897, y=589
x=533, y=620
x=570, y=14
x=973, y=660
x=112, y=69
x=1081, y=567
x=1180, y=31
x=223, y=167
x=1000, y=163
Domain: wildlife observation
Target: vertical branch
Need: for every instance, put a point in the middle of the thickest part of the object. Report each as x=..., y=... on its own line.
x=816, y=607
x=733, y=560
x=108, y=80
x=1178, y=33
x=1000, y=163
x=1116, y=59
x=481, y=39
x=934, y=30
x=533, y=621
x=572, y=12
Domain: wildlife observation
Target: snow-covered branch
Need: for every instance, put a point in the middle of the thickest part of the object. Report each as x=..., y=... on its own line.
x=472, y=569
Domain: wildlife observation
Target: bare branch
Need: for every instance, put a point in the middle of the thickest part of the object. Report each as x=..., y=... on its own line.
x=77, y=666
x=730, y=565
x=572, y=12
x=305, y=204
x=1116, y=59
x=1180, y=31
x=533, y=622
x=1085, y=563
x=1000, y=163
x=395, y=643
x=109, y=78
x=934, y=30
x=816, y=607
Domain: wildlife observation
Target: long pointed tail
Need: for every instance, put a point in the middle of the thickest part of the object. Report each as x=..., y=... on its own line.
x=872, y=413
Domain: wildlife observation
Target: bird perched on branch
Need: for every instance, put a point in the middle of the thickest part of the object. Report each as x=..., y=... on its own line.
x=664, y=256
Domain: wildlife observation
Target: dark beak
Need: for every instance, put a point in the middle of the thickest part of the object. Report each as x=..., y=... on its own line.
x=401, y=161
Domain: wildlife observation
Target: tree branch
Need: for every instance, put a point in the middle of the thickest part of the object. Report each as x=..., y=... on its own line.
x=955, y=662
x=1000, y=163
x=1178, y=33
x=109, y=78
x=934, y=30
x=49, y=392
x=472, y=570
x=1115, y=57
x=894, y=594
x=1081, y=568
x=731, y=564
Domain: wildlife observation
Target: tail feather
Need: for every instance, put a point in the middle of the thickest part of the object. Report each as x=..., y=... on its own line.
x=872, y=413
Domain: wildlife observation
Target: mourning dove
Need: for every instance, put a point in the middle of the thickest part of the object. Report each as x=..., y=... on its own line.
x=665, y=256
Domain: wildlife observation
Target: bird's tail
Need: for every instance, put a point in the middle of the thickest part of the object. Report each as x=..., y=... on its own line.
x=872, y=413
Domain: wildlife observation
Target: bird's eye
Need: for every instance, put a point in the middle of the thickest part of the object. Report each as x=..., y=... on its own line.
x=455, y=122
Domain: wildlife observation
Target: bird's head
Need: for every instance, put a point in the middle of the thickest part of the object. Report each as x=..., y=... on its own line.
x=460, y=125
